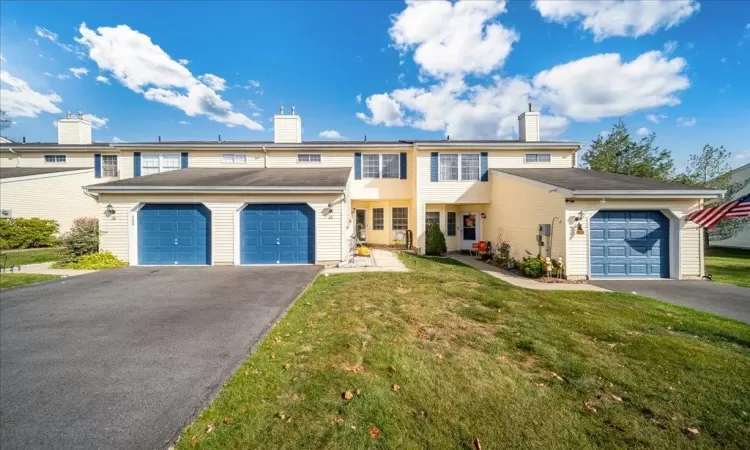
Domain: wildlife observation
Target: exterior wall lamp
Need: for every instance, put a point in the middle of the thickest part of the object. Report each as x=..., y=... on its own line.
x=109, y=211
x=579, y=229
x=483, y=216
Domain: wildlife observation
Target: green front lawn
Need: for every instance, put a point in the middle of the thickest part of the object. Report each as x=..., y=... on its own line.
x=729, y=266
x=9, y=280
x=30, y=256
x=443, y=355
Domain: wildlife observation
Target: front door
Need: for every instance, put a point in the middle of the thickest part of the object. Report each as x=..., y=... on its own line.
x=361, y=225
x=469, y=230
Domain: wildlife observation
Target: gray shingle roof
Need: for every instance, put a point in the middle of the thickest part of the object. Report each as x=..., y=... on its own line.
x=15, y=172
x=574, y=179
x=323, y=177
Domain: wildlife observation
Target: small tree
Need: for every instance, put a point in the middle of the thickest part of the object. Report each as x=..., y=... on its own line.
x=435, y=241
x=82, y=239
x=5, y=121
x=619, y=153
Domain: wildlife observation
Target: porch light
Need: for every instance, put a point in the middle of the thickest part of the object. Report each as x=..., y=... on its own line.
x=483, y=216
x=579, y=229
x=109, y=211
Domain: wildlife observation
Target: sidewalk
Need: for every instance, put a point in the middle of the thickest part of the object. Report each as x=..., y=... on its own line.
x=46, y=269
x=383, y=261
x=523, y=282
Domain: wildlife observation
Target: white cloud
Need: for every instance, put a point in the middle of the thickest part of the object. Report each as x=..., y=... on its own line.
x=252, y=84
x=184, y=62
x=607, y=18
x=20, y=100
x=252, y=105
x=59, y=76
x=686, y=121
x=49, y=35
x=643, y=131
x=384, y=111
x=655, y=118
x=743, y=155
x=453, y=38
x=78, y=71
x=143, y=67
x=330, y=134
x=256, y=114
x=214, y=82
x=96, y=122
x=603, y=86
x=358, y=98
x=116, y=140
x=102, y=79
x=2, y=59
x=670, y=46
x=183, y=122
x=723, y=60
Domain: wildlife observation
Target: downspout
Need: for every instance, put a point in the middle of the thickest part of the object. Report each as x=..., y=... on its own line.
x=18, y=157
x=265, y=157
x=415, y=186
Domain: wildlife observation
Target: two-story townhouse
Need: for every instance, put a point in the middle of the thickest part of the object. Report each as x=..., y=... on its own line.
x=292, y=202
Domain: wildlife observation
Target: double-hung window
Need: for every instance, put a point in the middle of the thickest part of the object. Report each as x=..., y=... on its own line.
x=463, y=167
x=309, y=158
x=109, y=165
x=234, y=158
x=430, y=218
x=381, y=166
x=399, y=218
x=55, y=158
x=538, y=157
x=159, y=162
x=378, y=218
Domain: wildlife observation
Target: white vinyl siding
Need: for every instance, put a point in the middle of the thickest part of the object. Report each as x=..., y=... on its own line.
x=116, y=237
x=309, y=158
x=109, y=166
x=55, y=158
x=159, y=162
x=234, y=158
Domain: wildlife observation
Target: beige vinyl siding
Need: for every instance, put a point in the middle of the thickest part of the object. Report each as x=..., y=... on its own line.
x=685, y=256
x=517, y=209
x=57, y=196
x=116, y=231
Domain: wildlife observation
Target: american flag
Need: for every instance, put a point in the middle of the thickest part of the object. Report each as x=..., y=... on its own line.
x=735, y=209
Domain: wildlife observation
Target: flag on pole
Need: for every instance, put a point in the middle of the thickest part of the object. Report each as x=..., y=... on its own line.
x=735, y=209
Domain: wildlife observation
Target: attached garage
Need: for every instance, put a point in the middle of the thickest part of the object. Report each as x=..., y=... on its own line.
x=277, y=234
x=174, y=234
x=629, y=244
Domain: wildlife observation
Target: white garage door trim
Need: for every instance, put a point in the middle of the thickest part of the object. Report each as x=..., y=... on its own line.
x=675, y=236
x=133, y=228
x=237, y=231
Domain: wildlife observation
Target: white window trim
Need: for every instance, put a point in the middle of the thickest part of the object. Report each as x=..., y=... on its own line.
x=460, y=167
x=407, y=217
x=380, y=166
x=440, y=219
x=234, y=156
x=161, y=161
x=383, y=219
x=64, y=161
x=116, y=165
x=525, y=161
x=319, y=161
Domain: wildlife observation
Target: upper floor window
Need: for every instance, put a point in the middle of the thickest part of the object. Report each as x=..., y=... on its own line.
x=538, y=157
x=109, y=165
x=234, y=158
x=307, y=158
x=463, y=166
x=159, y=162
x=381, y=166
x=55, y=158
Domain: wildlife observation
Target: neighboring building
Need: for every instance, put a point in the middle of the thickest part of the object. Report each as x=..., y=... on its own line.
x=289, y=201
x=741, y=239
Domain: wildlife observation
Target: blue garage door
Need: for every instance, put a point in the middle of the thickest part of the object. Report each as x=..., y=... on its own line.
x=629, y=244
x=277, y=234
x=174, y=234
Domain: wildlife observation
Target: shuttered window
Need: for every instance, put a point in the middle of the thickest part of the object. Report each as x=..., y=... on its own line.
x=109, y=165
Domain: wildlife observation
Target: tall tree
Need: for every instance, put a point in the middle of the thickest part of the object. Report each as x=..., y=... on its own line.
x=711, y=169
x=5, y=121
x=620, y=153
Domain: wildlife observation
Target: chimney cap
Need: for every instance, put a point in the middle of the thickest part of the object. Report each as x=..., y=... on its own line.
x=293, y=109
x=69, y=115
x=80, y=115
x=281, y=110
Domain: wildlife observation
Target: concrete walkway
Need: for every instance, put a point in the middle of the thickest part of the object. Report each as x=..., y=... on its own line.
x=383, y=261
x=523, y=282
x=46, y=269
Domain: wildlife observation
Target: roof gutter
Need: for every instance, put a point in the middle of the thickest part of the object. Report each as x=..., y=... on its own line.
x=501, y=145
x=215, y=189
x=332, y=146
x=656, y=193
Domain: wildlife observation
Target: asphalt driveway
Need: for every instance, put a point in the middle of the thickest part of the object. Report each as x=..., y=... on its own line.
x=125, y=358
x=723, y=299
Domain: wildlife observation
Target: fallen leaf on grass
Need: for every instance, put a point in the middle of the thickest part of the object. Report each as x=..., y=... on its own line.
x=374, y=432
x=589, y=406
x=347, y=395
x=616, y=398
x=357, y=368
x=281, y=415
x=692, y=431
x=392, y=369
x=228, y=420
x=395, y=388
x=287, y=366
x=210, y=428
x=439, y=356
x=477, y=444
x=358, y=391
x=337, y=420
x=556, y=376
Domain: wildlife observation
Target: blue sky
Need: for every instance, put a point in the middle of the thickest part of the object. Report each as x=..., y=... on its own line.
x=388, y=70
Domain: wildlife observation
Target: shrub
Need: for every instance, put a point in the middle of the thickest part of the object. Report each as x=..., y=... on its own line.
x=94, y=261
x=82, y=239
x=435, y=241
x=28, y=233
x=532, y=267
